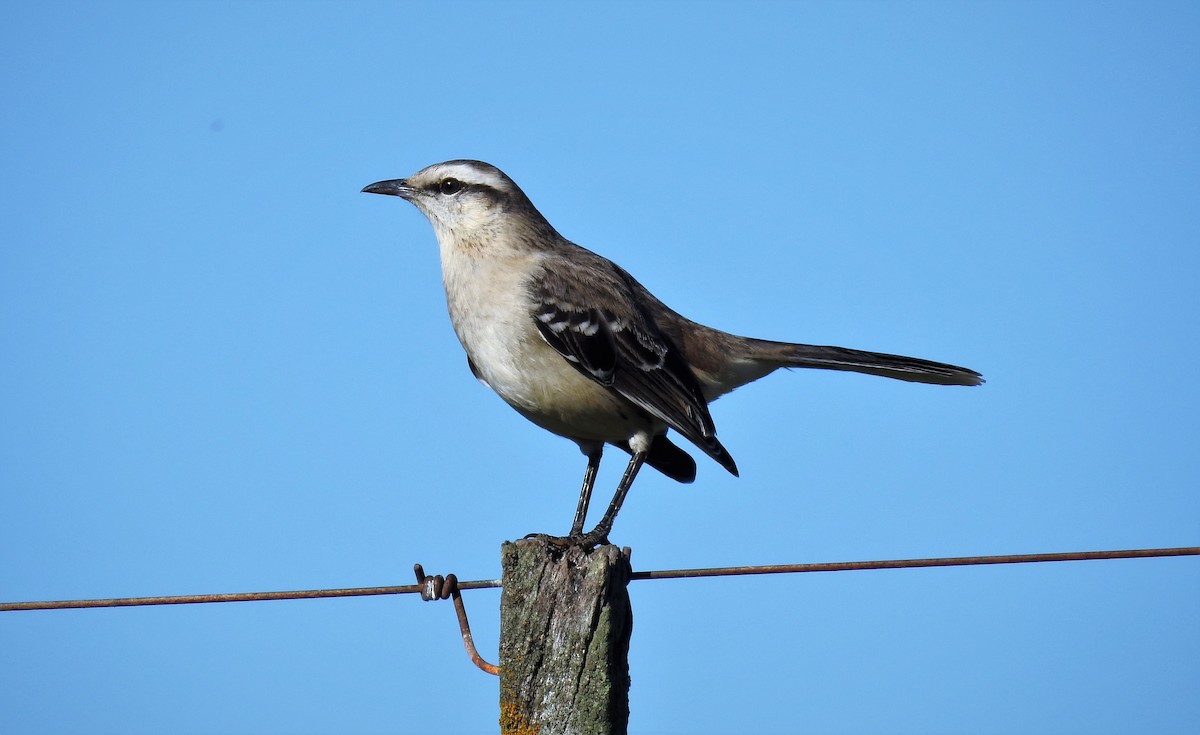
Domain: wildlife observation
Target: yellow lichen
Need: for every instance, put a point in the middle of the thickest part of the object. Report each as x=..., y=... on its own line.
x=512, y=722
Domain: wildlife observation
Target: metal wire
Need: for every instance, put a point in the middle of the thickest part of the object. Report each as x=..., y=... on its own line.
x=660, y=574
x=949, y=561
x=237, y=597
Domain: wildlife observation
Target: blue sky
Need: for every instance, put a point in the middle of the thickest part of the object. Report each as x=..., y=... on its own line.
x=225, y=369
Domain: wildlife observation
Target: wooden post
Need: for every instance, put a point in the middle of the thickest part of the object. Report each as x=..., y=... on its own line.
x=565, y=622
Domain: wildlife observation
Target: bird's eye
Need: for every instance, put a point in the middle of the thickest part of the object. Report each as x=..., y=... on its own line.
x=450, y=186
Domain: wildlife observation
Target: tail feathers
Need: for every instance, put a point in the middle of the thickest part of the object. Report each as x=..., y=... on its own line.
x=873, y=363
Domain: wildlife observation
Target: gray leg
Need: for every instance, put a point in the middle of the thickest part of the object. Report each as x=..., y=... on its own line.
x=599, y=534
x=585, y=493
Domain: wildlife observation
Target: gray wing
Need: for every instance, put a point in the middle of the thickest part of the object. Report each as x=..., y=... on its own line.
x=593, y=318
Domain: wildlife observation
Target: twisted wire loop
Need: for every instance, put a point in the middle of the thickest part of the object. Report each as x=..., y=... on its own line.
x=438, y=587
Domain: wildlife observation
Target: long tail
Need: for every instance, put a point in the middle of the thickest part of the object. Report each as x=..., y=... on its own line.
x=873, y=363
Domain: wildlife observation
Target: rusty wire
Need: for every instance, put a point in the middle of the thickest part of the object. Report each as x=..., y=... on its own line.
x=948, y=561
x=402, y=589
x=659, y=574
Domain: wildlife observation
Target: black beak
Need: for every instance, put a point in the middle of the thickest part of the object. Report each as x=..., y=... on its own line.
x=391, y=187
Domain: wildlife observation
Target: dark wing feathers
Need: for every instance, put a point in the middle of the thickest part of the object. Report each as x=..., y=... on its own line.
x=625, y=351
x=579, y=335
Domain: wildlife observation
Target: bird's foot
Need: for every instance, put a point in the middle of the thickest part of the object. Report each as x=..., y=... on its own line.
x=587, y=541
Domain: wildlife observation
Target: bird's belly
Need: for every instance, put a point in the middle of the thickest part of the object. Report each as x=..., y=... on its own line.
x=514, y=361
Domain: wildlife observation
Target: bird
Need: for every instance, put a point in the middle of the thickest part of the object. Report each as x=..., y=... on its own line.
x=579, y=347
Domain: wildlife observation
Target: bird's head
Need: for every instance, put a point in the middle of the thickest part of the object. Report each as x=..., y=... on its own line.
x=463, y=199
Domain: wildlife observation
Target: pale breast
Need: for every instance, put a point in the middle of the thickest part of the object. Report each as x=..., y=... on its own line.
x=492, y=311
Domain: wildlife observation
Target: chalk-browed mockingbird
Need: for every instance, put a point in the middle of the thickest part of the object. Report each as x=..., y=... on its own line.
x=580, y=348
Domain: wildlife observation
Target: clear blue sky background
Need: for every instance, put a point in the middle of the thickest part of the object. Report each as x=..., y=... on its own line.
x=225, y=369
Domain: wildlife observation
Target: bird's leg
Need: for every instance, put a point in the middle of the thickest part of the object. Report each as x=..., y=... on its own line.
x=599, y=534
x=585, y=492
